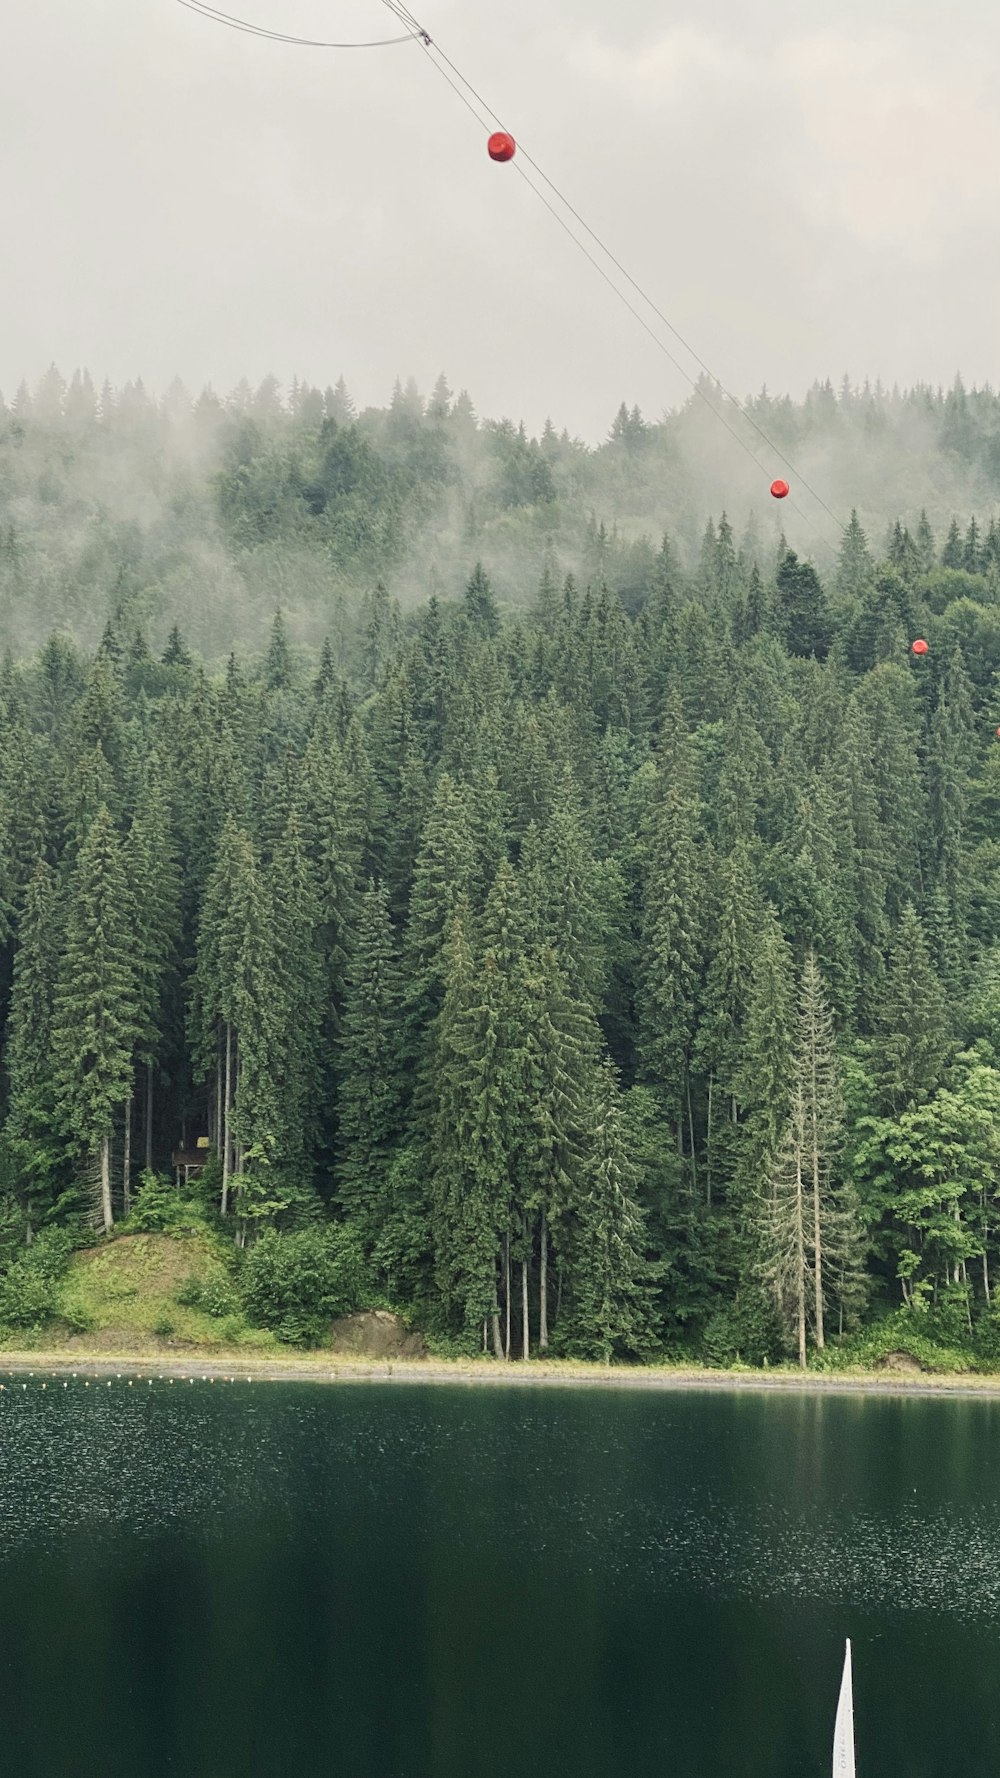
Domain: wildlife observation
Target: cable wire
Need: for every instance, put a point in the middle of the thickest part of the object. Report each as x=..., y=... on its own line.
x=463, y=88
x=438, y=56
x=643, y=323
x=249, y=29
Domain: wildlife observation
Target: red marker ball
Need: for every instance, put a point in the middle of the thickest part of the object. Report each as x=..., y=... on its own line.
x=501, y=146
x=919, y=646
x=780, y=490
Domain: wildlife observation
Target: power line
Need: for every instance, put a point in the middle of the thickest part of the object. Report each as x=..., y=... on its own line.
x=643, y=323
x=471, y=99
x=249, y=29
x=438, y=56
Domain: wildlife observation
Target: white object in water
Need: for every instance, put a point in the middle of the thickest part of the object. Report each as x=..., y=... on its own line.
x=843, y=1734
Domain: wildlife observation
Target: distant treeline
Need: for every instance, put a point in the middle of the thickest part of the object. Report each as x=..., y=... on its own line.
x=211, y=512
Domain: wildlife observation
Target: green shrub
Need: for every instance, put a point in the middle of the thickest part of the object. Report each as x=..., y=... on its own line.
x=163, y=1326
x=158, y=1208
x=78, y=1319
x=216, y=1296
x=746, y=1331
x=29, y=1288
x=297, y=1284
x=219, y=1298
x=925, y=1335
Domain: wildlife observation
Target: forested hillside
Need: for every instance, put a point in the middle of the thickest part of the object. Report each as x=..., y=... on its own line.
x=603, y=929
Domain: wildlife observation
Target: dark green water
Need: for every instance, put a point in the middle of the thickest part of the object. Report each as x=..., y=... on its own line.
x=262, y=1581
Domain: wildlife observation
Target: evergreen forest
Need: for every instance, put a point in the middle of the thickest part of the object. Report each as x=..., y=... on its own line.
x=532, y=882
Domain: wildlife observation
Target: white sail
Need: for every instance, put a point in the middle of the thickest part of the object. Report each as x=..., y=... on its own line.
x=843, y=1734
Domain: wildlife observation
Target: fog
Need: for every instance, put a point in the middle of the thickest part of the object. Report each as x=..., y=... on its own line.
x=213, y=511
x=806, y=192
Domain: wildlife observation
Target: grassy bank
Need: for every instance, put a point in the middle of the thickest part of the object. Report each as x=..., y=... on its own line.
x=166, y=1304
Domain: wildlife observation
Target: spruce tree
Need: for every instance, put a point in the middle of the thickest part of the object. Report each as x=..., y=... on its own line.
x=154, y=884
x=442, y=881
x=95, y=1022
x=802, y=615
x=810, y=1244
x=300, y=994
x=912, y=1028
x=855, y=566
x=30, y=1125
x=612, y=1310
x=368, y=1071
x=672, y=936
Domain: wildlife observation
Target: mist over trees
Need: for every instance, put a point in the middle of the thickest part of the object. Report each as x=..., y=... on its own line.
x=602, y=925
x=210, y=512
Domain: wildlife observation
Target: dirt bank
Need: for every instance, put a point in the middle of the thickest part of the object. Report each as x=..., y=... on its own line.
x=325, y=1367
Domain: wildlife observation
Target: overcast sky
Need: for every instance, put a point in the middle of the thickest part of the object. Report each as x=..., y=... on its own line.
x=806, y=189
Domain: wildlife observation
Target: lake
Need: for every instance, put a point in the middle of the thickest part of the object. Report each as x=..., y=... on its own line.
x=377, y=1581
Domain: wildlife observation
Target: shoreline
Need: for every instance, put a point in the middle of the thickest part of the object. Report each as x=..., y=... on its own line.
x=328, y=1369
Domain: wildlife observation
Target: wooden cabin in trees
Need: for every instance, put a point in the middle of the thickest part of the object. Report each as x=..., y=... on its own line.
x=189, y=1162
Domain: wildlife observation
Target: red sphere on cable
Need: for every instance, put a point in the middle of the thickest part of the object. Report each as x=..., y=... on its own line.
x=501, y=146
x=780, y=490
x=919, y=646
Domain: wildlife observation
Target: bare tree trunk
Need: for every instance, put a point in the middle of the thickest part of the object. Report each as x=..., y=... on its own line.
x=225, y=1125
x=497, y=1341
x=106, y=1210
x=149, y=1117
x=127, y=1158
x=800, y=1244
x=525, y=1335
x=486, y=1342
x=986, y=1256
x=543, y=1288
x=817, y=1234
x=694, y=1157
x=219, y=1045
x=506, y=1288
x=708, y=1143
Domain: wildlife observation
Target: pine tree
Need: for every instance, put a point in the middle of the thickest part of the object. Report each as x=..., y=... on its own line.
x=154, y=885
x=212, y=1022
x=672, y=936
x=559, y=1055
x=811, y=1239
x=802, y=615
x=854, y=566
x=442, y=881
x=725, y=1003
x=370, y=1112
x=96, y=1004
x=258, y=998
x=953, y=553
x=926, y=546
x=572, y=897
x=912, y=1026
x=278, y=663
x=612, y=1312
x=29, y=1128
x=301, y=987
x=467, y=1143
x=480, y=605
x=762, y=1079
